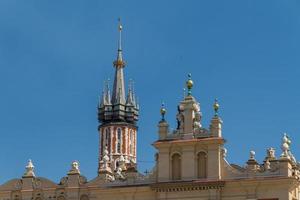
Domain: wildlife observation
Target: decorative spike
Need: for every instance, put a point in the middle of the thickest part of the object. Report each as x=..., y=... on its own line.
x=163, y=111
x=107, y=92
x=101, y=100
x=216, y=107
x=129, y=100
x=189, y=84
x=119, y=87
x=137, y=104
x=119, y=62
x=133, y=93
x=120, y=34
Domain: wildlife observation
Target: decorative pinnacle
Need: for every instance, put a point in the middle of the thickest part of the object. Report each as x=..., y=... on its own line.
x=216, y=107
x=119, y=62
x=163, y=112
x=189, y=84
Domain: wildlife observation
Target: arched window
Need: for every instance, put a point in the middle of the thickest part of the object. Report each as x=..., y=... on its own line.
x=202, y=165
x=131, y=142
x=119, y=140
x=107, y=137
x=176, y=167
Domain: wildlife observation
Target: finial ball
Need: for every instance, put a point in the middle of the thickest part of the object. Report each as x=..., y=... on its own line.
x=162, y=109
x=216, y=106
x=189, y=82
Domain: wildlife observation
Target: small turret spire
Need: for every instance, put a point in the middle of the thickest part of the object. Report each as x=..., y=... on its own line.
x=107, y=92
x=130, y=97
x=133, y=93
x=101, y=100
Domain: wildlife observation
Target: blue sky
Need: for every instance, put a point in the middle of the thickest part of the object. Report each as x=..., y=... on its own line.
x=55, y=55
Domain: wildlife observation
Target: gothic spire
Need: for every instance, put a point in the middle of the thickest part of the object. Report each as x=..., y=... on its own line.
x=107, y=92
x=101, y=101
x=130, y=96
x=118, y=96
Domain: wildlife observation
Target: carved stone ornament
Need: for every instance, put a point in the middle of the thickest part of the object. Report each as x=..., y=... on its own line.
x=252, y=155
x=18, y=185
x=29, y=170
x=74, y=168
x=285, y=147
x=267, y=165
x=270, y=154
x=37, y=183
x=224, y=152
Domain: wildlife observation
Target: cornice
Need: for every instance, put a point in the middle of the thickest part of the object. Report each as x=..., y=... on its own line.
x=179, y=186
x=208, y=140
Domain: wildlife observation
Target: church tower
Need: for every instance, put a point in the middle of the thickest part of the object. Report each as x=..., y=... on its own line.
x=118, y=116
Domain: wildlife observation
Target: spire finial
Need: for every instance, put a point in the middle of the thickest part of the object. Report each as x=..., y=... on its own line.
x=163, y=111
x=189, y=84
x=119, y=62
x=216, y=107
x=120, y=34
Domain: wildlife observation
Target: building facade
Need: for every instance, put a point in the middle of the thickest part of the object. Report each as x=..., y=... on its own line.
x=190, y=162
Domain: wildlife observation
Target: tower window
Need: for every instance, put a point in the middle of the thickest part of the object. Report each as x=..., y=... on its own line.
x=176, y=166
x=119, y=140
x=106, y=139
x=131, y=142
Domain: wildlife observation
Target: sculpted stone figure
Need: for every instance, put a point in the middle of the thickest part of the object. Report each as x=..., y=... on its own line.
x=29, y=169
x=271, y=153
x=197, y=119
x=180, y=118
x=119, y=175
x=285, y=147
x=224, y=152
x=74, y=168
x=252, y=155
x=267, y=165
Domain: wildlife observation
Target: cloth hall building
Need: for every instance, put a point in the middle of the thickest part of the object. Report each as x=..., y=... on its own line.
x=190, y=162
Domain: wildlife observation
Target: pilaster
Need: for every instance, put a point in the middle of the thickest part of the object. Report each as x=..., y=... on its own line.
x=188, y=163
